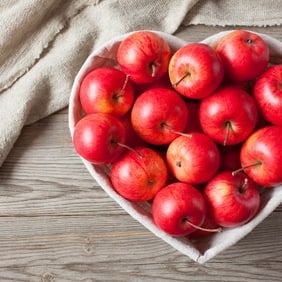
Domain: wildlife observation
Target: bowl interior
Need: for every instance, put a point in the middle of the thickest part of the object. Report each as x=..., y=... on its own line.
x=202, y=250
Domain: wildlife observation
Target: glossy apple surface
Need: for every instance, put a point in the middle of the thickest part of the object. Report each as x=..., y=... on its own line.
x=229, y=115
x=175, y=206
x=144, y=55
x=261, y=156
x=107, y=90
x=244, y=54
x=268, y=94
x=139, y=176
x=232, y=200
x=193, y=159
x=157, y=114
x=195, y=70
x=97, y=136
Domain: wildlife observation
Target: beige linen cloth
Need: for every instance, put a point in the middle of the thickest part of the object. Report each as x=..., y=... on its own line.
x=44, y=43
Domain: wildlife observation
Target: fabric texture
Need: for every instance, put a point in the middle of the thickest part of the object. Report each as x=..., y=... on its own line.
x=44, y=43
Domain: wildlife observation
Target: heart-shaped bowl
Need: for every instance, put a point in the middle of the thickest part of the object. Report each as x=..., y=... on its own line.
x=211, y=246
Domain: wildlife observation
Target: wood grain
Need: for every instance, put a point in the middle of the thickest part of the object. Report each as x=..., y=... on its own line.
x=57, y=224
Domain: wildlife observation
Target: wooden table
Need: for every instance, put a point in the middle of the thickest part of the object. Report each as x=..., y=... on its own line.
x=57, y=224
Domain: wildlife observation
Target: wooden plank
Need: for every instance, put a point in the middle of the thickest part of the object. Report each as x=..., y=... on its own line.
x=76, y=248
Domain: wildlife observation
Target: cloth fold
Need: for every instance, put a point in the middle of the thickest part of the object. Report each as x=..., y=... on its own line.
x=44, y=43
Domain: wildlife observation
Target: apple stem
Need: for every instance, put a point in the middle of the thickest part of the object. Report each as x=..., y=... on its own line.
x=189, y=135
x=130, y=149
x=246, y=166
x=243, y=187
x=153, y=69
x=249, y=41
x=218, y=229
x=121, y=91
x=125, y=83
x=228, y=126
x=182, y=78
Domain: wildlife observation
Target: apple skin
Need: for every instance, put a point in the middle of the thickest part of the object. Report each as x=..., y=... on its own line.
x=193, y=159
x=244, y=54
x=144, y=55
x=195, y=70
x=107, y=90
x=263, y=150
x=231, y=201
x=158, y=112
x=268, y=94
x=231, y=107
x=175, y=206
x=139, y=176
x=96, y=137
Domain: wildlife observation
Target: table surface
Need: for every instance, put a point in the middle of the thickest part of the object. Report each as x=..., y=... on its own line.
x=57, y=224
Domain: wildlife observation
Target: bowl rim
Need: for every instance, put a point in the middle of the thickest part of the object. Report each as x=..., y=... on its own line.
x=139, y=211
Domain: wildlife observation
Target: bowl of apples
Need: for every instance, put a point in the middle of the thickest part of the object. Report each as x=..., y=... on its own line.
x=185, y=137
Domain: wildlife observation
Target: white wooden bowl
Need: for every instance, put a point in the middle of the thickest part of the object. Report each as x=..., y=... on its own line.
x=213, y=245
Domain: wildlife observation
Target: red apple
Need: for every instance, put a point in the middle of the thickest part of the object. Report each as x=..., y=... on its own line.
x=232, y=200
x=261, y=156
x=193, y=159
x=229, y=115
x=178, y=208
x=158, y=114
x=144, y=55
x=107, y=90
x=268, y=94
x=96, y=138
x=244, y=54
x=195, y=70
x=139, y=174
